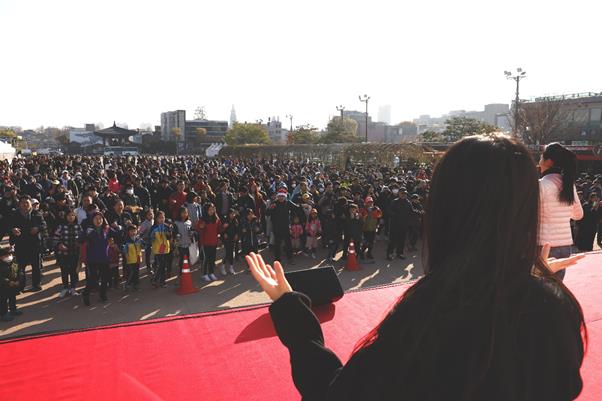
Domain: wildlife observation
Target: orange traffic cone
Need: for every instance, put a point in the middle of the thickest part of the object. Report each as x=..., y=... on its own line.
x=352, y=264
x=186, y=286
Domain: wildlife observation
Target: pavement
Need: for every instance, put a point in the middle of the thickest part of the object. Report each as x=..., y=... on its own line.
x=44, y=312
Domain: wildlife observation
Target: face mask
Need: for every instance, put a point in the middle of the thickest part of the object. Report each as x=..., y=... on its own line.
x=293, y=185
x=395, y=191
x=321, y=190
x=129, y=192
x=7, y=259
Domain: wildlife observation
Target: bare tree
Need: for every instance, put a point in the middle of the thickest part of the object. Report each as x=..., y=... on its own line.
x=539, y=120
x=200, y=113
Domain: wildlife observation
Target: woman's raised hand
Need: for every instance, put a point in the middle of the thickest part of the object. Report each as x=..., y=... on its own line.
x=558, y=264
x=271, y=280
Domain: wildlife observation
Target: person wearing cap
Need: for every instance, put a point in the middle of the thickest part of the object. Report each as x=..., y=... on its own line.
x=370, y=216
x=9, y=286
x=29, y=235
x=280, y=213
x=401, y=212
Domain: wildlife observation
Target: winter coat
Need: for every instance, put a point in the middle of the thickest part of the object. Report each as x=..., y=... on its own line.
x=313, y=228
x=69, y=235
x=160, y=235
x=26, y=243
x=249, y=233
x=184, y=230
x=554, y=215
x=209, y=231
x=97, y=244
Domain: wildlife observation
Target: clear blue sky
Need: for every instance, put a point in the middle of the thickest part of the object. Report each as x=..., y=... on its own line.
x=70, y=62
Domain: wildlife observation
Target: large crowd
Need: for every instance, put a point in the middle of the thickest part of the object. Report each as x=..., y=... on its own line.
x=115, y=215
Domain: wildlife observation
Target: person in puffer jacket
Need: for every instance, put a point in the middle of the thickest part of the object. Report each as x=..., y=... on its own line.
x=558, y=200
x=97, y=256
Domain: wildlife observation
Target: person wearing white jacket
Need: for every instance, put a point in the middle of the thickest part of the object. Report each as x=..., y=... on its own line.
x=558, y=200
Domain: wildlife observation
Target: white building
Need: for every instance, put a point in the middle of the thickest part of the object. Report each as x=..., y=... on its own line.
x=384, y=114
x=277, y=134
x=171, y=120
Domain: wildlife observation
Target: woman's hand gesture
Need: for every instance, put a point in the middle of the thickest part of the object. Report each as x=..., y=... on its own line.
x=271, y=280
x=558, y=264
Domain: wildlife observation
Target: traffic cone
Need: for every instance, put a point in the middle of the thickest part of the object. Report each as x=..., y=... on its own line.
x=186, y=286
x=351, y=264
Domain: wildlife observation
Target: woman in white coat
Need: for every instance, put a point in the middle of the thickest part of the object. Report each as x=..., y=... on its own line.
x=558, y=200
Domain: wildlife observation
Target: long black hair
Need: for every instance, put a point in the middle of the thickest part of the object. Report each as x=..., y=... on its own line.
x=479, y=254
x=565, y=163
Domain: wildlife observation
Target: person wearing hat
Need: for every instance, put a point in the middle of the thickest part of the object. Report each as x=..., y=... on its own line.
x=9, y=286
x=29, y=235
x=370, y=216
x=401, y=212
x=280, y=213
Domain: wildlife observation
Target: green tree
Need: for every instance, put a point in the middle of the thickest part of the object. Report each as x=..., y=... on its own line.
x=201, y=133
x=246, y=133
x=431, y=136
x=340, y=131
x=7, y=133
x=303, y=134
x=459, y=127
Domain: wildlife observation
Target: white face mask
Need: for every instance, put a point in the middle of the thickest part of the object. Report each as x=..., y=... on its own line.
x=129, y=192
x=395, y=191
x=7, y=259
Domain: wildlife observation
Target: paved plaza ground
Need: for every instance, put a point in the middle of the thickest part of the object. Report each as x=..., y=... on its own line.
x=45, y=312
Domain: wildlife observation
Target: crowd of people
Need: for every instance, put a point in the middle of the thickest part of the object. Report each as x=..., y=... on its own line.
x=112, y=216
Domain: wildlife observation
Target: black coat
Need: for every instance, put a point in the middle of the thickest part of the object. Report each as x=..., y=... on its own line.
x=281, y=212
x=28, y=243
x=401, y=212
x=545, y=351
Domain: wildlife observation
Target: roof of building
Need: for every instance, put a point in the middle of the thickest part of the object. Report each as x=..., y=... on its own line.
x=115, y=132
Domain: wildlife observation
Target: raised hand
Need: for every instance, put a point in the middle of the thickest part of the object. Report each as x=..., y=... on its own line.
x=558, y=264
x=272, y=281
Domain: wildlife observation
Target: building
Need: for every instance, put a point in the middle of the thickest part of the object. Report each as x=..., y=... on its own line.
x=277, y=134
x=84, y=136
x=232, y=117
x=171, y=123
x=384, y=114
x=216, y=130
x=496, y=114
x=578, y=117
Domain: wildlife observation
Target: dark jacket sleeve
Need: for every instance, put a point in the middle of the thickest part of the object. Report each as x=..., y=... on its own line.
x=317, y=372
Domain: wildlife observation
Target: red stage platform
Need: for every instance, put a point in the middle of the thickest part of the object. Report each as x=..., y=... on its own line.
x=232, y=355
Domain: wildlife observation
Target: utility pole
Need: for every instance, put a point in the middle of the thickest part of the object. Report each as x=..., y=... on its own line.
x=365, y=99
x=290, y=117
x=520, y=74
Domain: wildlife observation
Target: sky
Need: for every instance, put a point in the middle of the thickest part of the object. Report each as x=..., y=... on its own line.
x=67, y=63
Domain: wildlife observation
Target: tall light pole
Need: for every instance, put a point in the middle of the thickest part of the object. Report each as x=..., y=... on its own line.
x=341, y=108
x=290, y=117
x=365, y=99
x=520, y=74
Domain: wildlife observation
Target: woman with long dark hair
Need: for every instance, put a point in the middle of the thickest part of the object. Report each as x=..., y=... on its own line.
x=558, y=200
x=488, y=321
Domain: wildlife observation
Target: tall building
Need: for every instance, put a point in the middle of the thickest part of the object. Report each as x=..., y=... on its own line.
x=384, y=114
x=171, y=120
x=232, y=116
x=277, y=134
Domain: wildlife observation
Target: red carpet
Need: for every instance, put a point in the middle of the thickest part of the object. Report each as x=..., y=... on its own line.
x=225, y=356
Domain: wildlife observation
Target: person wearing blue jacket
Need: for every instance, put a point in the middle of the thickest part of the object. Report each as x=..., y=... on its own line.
x=97, y=240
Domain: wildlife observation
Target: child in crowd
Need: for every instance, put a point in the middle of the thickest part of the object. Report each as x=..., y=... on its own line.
x=144, y=233
x=370, y=216
x=66, y=239
x=230, y=238
x=353, y=228
x=182, y=230
x=97, y=257
x=313, y=228
x=296, y=233
x=209, y=227
x=160, y=235
x=132, y=257
x=114, y=257
x=9, y=286
x=250, y=229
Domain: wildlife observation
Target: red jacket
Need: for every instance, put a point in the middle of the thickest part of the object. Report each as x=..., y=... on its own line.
x=209, y=234
x=176, y=200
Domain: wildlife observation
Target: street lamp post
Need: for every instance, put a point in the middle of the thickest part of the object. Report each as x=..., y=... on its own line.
x=365, y=99
x=290, y=117
x=341, y=108
x=520, y=74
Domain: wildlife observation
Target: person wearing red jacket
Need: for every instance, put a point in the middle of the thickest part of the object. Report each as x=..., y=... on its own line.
x=177, y=200
x=209, y=226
